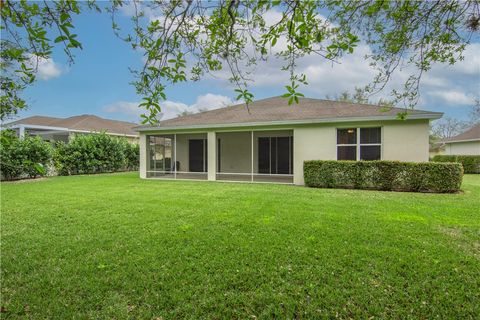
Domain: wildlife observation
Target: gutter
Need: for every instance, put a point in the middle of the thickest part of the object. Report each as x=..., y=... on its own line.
x=424, y=116
x=466, y=140
x=61, y=129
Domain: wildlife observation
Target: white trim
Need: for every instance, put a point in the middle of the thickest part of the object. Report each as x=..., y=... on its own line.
x=175, y=154
x=33, y=126
x=359, y=145
x=180, y=172
x=252, y=149
x=460, y=141
x=256, y=174
x=106, y=132
x=424, y=116
x=39, y=127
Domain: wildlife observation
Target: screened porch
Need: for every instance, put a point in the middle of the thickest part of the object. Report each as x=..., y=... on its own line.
x=250, y=156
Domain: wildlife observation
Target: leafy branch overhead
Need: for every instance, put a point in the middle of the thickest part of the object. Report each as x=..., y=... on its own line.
x=187, y=40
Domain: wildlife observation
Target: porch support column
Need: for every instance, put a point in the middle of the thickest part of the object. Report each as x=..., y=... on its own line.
x=212, y=155
x=251, y=145
x=21, y=132
x=175, y=155
x=143, y=156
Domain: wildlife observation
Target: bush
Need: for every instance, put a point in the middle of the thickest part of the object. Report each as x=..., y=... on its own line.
x=384, y=175
x=95, y=153
x=471, y=164
x=132, y=155
x=29, y=157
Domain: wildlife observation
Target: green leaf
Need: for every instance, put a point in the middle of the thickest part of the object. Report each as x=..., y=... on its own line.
x=60, y=39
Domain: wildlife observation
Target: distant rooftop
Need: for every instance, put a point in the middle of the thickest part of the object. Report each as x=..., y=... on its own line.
x=86, y=122
x=276, y=109
x=471, y=134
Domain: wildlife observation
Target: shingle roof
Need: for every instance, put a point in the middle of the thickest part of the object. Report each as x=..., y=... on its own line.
x=36, y=120
x=471, y=134
x=277, y=109
x=84, y=122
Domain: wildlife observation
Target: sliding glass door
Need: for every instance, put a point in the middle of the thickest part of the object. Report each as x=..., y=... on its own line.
x=275, y=155
x=197, y=155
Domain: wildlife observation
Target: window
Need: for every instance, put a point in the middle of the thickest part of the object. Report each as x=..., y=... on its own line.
x=359, y=144
x=160, y=153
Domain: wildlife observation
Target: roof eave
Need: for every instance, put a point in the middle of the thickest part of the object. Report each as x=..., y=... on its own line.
x=424, y=116
x=463, y=140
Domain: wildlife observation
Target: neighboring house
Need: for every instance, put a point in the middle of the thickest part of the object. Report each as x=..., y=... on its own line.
x=62, y=129
x=268, y=140
x=466, y=143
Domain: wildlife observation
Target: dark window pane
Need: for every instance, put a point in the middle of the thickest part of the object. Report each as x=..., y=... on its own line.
x=196, y=155
x=370, y=152
x=283, y=155
x=264, y=155
x=347, y=136
x=346, y=153
x=370, y=135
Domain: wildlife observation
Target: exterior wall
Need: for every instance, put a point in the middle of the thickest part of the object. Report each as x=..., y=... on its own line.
x=143, y=156
x=406, y=141
x=312, y=143
x=182, y=148
x=235, y=152
x=463, y=148
x=401, y=140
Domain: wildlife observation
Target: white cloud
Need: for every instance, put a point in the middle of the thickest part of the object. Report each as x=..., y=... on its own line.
x=452, y=97
x=46, y=68
x=170, y=109
x=124, y=107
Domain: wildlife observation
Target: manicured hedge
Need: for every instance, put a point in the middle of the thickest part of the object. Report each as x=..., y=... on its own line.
x=95, y=153
x=24, y=158
x=471, y=164
x=92, y=153
x=384, y=175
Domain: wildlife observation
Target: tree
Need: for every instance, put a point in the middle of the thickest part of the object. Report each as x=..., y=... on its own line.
x=360, y=96
x=448, y=127
x=185, y=40
x=474, y=114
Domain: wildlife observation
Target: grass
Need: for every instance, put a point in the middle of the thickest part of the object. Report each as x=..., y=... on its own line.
x=115, y=246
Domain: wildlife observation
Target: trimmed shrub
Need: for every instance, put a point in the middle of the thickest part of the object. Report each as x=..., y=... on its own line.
x=28, y=157
x=471, y=164
x=95, y=153
x=132, y=155
x=384, y=175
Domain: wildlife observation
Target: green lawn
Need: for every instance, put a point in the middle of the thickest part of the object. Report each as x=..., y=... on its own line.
x=115, y=246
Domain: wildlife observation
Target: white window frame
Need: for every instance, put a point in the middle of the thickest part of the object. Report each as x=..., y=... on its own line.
x=358, y=145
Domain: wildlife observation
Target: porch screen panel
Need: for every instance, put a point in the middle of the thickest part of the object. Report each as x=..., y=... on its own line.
x=264, y=155
x=275, y=155
x=283, y=155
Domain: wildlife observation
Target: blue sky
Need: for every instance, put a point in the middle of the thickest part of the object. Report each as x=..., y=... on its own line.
x=98, y=82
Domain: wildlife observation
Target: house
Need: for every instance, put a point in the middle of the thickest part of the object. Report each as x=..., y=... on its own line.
x=62, y=129
x=466, y=143
x=268, y=140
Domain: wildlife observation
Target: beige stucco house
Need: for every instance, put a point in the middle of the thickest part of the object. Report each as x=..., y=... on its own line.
x=466, y=143
x=268, y=140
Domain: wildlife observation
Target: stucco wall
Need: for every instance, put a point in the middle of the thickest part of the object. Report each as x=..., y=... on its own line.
x=143, y=156
x=182, y=148
x=401, y=140
x=463, y=148
x=406, y=141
